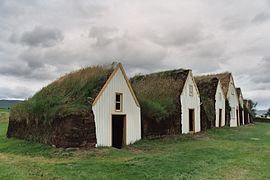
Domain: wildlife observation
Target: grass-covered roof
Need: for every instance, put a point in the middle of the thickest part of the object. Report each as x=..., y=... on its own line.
x=207, y=86
x=224, y=80
x=159, y=93
x=70, y=94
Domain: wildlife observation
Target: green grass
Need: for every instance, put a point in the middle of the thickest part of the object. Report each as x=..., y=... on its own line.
x=70, y=94
x=227, y=153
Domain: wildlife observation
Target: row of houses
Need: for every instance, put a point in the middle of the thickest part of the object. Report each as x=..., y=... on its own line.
x=124, y=110
x=197, y=103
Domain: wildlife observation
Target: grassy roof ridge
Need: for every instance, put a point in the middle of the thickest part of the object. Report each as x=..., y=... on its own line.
x=159, y=92
x=207, y=86
x=224, y=78
x=70, y=94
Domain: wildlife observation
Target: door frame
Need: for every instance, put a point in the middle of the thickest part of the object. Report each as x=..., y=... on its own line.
x=220, y=118
x=124, y=140
x=193, y=117
x=237, y=117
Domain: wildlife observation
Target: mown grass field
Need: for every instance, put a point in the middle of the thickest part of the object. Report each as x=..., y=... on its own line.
x=227, y=153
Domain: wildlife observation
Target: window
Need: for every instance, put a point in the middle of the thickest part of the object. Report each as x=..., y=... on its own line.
x=118, y=101
x=219, y=95
x=190, y=90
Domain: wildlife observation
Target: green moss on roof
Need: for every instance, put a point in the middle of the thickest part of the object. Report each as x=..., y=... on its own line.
x=70, y=94
x=159, y=93
x=207, y=86
x=224, y=80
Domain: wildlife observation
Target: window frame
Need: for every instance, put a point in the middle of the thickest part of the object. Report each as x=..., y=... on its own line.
x=118, y=102
x=190, y=90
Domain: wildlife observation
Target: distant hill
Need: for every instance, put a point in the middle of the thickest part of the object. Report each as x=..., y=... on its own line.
x=5, y=104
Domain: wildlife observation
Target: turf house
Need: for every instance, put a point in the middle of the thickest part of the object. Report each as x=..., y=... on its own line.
x=94, y=106
x=241, y=106
x=232, y=105
x=247, y=111
x=213, y=102
x=170, y=102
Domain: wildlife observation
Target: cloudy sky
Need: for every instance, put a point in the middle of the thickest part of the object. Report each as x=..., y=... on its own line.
x=42, y=40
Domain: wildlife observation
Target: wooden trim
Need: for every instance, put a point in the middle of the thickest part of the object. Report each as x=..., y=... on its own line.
x=237, y=117
x=105, y=85
x=124, y=129
x=119, y=66
x=129, y=85
x=121, y=102
x=195, y=85
x=111, y=133
x=220, y=118
x=193, y=119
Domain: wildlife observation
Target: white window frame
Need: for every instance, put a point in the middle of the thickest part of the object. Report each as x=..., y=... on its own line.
x=119, y=102
x=190, y=90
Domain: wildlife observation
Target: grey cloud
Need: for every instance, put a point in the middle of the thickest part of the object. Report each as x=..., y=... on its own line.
x=260, y=96
x=14, y=8
x=178, y=37
x=25, y=72
x=203, y=57
x=33, y=58
x=16, y=93
x=151, y=36
x=260, y=18
x=42, y=37
x=15, y=70
x=136, y=52
x=261, y=73
x=209, y=50
x=14, y=38
x=88, y=9
x=103, y=35
x=234, y=23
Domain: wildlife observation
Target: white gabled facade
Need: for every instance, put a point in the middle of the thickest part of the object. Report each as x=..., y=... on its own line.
x=220, y=106
x=104, y=107
x=233, y=101
x=190, y=102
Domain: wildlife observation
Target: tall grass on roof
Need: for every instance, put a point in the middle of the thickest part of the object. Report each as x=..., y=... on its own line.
x=159, y=96
x=69, y=94
x=207, y=87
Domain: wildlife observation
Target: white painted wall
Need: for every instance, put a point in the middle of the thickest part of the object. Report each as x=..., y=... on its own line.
x=241, y=104
x=220, y=104
x=233, y=100
x=190, y=102
x=105, y=107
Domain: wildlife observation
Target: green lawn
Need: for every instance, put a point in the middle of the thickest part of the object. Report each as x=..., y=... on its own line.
x=228, y=153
